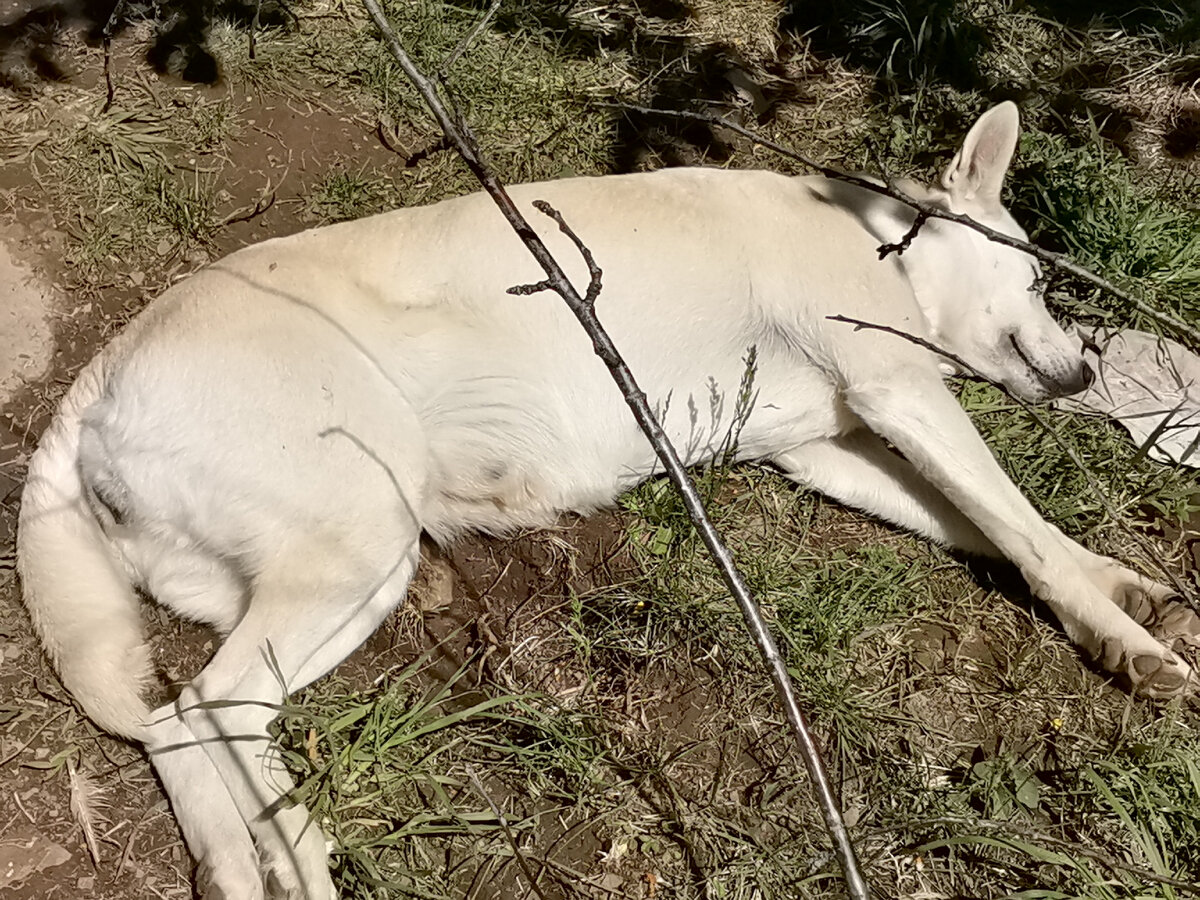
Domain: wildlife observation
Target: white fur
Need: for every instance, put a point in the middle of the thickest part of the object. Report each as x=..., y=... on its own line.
x=263, y=446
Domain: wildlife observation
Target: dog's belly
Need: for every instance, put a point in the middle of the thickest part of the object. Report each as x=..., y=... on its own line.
x=510, y=452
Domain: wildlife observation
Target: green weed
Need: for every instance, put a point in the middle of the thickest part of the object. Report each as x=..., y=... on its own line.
x=346, y=194
x=1088, y=200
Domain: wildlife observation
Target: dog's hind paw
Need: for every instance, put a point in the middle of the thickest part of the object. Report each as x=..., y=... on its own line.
x=213, y=882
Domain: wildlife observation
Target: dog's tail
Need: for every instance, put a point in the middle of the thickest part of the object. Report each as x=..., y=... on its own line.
x=82, y=603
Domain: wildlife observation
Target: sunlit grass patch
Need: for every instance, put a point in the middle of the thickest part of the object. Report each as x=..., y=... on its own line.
x=351, y=193
x=528, y=98
x=1090, y=201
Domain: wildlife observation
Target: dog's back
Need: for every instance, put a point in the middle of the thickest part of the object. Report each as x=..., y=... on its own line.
x=405, y=316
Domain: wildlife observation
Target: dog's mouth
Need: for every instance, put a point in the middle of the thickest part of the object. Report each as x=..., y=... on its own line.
x=1053, y=385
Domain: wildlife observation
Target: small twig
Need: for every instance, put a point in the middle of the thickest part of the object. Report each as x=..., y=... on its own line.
x=884, y=250
x=464, y=140
x=385, y=127
x=265, y=201
x=33, y=737
x=254, y=29
x=107, y=33
x=127, y=852
x=21, y=806
x=1037, y=417
x=508, y=833
x=1059, y=260
x=467, y=41
x=595, y=273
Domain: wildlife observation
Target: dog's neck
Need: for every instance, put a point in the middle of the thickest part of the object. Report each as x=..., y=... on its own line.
x=884, y=217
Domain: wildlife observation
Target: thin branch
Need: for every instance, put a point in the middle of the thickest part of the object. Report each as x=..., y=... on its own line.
x=466, y=42
x=253, y=50
x=107, y=33
x=508, y=833
x=884, y=250
x=932, y=211
x=461, y=135
x=1035, y=414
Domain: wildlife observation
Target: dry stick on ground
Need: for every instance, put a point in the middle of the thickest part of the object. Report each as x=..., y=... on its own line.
x=107, y=34
x=1032, y=409
x=508, y=833
x=931, y=211
x=461, y=135
x=253, y=49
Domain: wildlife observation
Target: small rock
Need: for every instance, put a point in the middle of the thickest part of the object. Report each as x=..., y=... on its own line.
x=27, y=853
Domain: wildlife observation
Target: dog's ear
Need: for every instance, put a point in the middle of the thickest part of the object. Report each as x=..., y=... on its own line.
x=977, y=171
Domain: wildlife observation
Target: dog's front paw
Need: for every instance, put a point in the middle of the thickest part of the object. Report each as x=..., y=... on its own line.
x=1159, y=676
x=1162, y=612
x=215, y=881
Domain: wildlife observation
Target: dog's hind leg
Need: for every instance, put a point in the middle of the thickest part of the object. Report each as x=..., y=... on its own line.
x=309, y=610
x=910, y=406
x=212, y=825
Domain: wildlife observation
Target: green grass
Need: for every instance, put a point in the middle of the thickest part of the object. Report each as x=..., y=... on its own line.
x=346, y=193
x=1094, y=204
x=131, y=187
x=1036, y=460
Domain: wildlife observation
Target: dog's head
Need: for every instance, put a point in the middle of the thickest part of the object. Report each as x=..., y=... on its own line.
x=983, y=300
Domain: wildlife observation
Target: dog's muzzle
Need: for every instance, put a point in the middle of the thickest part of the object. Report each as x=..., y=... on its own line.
x=1057, y=384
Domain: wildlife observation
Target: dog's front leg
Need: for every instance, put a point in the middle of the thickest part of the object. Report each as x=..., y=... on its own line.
x=913, y=409
x=858, y=470
x=1156, y=607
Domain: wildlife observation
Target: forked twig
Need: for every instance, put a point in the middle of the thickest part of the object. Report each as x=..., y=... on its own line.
x=460, y=134
x=931, y=211
x=595, y=273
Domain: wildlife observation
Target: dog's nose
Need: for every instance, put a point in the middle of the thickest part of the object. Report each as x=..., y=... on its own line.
x=1078, y=381
x=1073, y=381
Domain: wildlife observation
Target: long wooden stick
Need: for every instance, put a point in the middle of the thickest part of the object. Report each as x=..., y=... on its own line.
x=459, y=133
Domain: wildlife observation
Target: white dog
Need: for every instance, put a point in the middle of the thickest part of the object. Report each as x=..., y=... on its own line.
x=261, y=449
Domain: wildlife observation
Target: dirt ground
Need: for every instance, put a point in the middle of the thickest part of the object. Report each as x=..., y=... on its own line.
x=498, y=603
